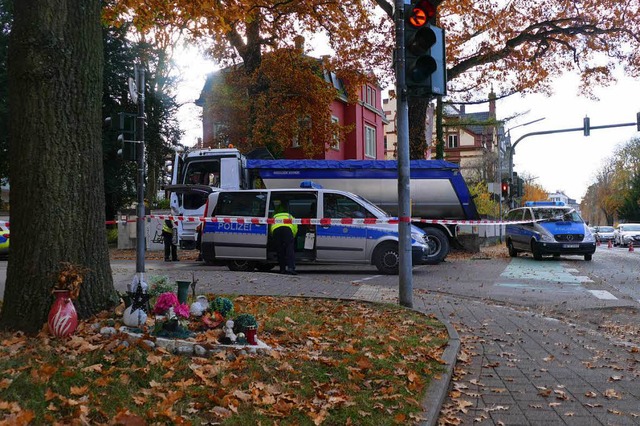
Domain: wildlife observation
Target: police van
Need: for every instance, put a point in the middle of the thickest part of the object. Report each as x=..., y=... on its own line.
x=239, y=234
x=548, y=228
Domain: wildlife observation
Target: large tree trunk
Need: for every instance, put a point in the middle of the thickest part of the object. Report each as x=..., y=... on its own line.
x=417, y=126
x=57, y=191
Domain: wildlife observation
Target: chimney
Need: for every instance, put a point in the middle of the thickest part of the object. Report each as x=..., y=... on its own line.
x=299, y=43
x=492, y=103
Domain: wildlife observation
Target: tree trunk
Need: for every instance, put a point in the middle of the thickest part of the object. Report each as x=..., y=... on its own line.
x=57, y=190
x=417, y=126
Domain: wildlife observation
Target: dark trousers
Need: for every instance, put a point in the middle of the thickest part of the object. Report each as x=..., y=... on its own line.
x=170, y=249
x=284, y=242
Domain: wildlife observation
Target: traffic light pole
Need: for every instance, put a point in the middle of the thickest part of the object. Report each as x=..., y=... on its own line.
x=140, y=209
x=405, y=276
x=584, y=129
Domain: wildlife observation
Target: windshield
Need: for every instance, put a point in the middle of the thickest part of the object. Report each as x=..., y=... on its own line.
x=559, y=215
x=605, y=229
x=630, y=228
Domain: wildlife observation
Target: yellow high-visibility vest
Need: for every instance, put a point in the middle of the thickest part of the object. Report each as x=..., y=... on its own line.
x=284, y=215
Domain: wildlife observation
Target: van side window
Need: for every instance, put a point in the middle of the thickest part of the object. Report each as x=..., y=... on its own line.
x=527, y=215
x=251, y=204
x=339, y=206
x=299, y=204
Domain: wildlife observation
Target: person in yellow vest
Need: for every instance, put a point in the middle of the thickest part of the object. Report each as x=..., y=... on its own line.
x=284, y=235
x=170, y=248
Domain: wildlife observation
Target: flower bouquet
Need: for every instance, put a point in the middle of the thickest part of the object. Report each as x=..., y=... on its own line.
x=170, y=316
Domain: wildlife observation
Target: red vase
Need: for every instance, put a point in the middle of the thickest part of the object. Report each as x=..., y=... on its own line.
x=63, y=318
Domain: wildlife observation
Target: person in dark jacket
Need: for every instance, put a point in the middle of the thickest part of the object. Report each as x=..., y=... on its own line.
x=170, y=248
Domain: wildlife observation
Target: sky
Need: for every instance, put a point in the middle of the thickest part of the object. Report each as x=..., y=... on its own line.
x=567, y=162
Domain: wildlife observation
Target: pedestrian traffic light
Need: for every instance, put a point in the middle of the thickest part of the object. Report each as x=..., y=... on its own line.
x=425, y=68
x=586, y=126
x=505, y=189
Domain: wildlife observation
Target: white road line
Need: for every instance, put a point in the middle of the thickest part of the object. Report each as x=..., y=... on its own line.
x=365, y=279
x=603, y=294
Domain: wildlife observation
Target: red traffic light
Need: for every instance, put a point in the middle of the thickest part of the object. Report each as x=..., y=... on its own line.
x=421, y=13
x=505, y=189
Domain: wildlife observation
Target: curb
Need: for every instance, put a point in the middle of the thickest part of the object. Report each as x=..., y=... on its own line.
x=438, y=388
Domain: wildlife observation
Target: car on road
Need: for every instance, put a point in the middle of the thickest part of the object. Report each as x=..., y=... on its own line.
x=627, y=233
x=604, y=234
x=4, y=240
x=548, y=227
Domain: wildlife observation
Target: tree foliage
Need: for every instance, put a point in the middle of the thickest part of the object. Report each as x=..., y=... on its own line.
x=534, y=192
x=279, y=92
x=486, y=205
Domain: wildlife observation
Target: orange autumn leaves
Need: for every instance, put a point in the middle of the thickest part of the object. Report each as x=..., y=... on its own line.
x=329, y=360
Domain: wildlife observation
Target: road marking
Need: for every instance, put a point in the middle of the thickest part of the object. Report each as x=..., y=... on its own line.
x=519, y=269
x=603, y=294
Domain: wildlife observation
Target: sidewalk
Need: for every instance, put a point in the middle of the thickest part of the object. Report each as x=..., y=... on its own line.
x=514, y=367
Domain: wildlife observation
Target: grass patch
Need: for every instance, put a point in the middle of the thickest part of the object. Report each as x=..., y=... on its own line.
x=333, y=362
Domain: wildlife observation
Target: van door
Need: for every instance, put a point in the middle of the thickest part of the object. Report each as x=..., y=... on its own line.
x=341, y=243
x=233, y=240
x=300, y=205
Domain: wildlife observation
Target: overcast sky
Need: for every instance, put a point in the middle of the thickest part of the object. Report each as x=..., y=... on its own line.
x=564, y=161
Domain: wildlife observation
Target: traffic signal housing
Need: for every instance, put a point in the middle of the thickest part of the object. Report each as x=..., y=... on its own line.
x=425, y=67
x=505, y=189
x=125, y=125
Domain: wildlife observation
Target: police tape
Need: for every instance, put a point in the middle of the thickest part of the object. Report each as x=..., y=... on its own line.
x=332, y=221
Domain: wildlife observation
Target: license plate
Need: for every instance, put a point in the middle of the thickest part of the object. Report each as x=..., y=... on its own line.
x=571, y=245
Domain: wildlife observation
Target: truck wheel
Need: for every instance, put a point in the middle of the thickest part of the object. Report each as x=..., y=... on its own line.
x=438, y=244
x=386, y=257
x=512, y=251
x=241, y=265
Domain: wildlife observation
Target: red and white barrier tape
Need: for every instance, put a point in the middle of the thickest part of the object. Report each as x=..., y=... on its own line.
x=314, y=221
x=330, y=221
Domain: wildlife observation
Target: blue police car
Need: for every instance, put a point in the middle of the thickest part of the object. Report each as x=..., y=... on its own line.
x=548, y=228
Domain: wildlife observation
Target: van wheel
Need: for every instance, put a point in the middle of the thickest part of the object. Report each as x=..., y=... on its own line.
x=535, y=251
x=438, y=244
x=512, y=251
x=386, y=257
x=241, y=265
x=587, y=257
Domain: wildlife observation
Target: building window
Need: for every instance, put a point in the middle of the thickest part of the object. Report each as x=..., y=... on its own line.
x=370, y=96
x=369, y=142
x=336, y=136
x=452, y=141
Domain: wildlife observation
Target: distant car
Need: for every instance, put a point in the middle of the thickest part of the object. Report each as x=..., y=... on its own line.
x=604, y=233
x=4, y=240
x=626, y=233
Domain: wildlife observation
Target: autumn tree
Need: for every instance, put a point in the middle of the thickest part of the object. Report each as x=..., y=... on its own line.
x=534, y=191
x=57, y=214
x=250, y=32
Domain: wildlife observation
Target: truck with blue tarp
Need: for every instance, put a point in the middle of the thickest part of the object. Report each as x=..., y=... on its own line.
x=437, y=189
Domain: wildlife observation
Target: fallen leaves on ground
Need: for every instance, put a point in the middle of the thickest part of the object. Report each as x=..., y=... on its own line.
x=330, y=362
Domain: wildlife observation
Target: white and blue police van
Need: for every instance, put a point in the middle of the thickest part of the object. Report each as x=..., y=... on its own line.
x=237, y=233
x=548, y=228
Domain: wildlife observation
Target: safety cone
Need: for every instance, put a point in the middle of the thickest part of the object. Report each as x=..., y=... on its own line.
x=610, y=244
x=630, y=246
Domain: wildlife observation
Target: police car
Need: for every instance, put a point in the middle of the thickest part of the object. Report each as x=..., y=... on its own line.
x=548, y=228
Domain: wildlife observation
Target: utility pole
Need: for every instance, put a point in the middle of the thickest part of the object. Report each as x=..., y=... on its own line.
x=138, y=98
x=405, y=293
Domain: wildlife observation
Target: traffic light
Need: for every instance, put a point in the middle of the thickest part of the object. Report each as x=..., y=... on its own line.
x=125, y=125
x=505, y=189
x=425, y=68
x=586, y=126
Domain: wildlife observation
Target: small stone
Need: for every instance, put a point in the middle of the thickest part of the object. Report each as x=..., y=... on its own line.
x=199, y=350
x=124, y=344
x=231, y=357
x=108, y=331
x=184, y=349
x=149, y=343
